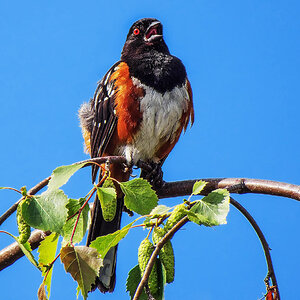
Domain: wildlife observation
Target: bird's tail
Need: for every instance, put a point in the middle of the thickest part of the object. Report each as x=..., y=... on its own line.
x=99, y=227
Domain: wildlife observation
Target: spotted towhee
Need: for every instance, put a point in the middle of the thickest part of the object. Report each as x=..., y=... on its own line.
x=139, y=110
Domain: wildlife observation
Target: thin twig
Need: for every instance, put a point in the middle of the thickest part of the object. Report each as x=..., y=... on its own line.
x=264, y=243
x=154, y=255
x=182, y=188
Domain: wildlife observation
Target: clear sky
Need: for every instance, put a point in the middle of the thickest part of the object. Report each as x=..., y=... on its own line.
x=242, y=58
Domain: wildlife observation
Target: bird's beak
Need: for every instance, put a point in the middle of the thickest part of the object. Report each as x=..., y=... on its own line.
x=153, y=32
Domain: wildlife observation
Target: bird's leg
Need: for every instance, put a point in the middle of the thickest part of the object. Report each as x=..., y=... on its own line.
x=152, y=172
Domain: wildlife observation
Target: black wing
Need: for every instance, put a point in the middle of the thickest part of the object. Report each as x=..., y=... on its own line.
x=105, y=119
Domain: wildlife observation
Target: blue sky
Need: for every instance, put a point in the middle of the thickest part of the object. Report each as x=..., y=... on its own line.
x=242, y=58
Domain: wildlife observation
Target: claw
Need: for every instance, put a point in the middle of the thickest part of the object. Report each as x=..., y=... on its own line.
x=152, y=172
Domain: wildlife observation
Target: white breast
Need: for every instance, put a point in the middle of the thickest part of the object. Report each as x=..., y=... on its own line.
x=161, y=120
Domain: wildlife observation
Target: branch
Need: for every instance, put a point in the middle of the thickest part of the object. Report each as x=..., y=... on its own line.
x=234, y=186
x=154, y=255
x=183, y=188
x=264, y=243
x=13, y=252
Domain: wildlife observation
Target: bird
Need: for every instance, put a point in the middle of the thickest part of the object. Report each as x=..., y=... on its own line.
x=139, y=110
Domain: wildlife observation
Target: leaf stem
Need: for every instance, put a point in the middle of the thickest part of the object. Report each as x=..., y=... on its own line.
x=149, y=232
x=50, y=267
x=137, y=226
x=12, y=189
x=79, y=213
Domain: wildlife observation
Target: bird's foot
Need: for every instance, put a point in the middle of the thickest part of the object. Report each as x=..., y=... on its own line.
x=152, y=172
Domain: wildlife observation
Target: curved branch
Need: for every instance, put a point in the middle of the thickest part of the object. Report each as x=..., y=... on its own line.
x=264, y=243
x=183, y=188
x=154, y=255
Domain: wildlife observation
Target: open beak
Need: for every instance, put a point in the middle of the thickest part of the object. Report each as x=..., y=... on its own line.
x=153, y=32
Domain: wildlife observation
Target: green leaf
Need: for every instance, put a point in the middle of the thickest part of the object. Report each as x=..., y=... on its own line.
x=108, y=199
x=61, y=175
x=47, y=251
x=83, y=263
x=212, y=210
x=198, y=187
x=155, y=213
x=139, y=196
x=105, y=242
x=133, y=280
x=46, y=211
x=26, y=249
x=159, y=210
x=73, y=206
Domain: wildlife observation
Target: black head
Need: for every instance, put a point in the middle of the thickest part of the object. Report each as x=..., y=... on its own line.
x=144, y=35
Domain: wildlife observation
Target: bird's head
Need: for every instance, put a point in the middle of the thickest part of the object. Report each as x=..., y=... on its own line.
x=144, y=35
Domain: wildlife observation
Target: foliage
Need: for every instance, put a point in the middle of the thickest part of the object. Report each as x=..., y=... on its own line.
x=54, y=211
x=83, y=263
x=47, y=251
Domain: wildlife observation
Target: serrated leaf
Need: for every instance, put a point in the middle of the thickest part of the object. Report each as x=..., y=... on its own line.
x=198, y=187
x=105, y=242
x=62, y=174
x=83, y=263
x=26, y=249
x=46, y=211
x=133, y=280
x=212, y=209
x=107, y=192
x=160, y=210
x=42, y=292
x=47, y=251
x=73, y=206
x=139, y=196
x=156, y=212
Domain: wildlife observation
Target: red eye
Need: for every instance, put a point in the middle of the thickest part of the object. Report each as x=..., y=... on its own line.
x=136, y=31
